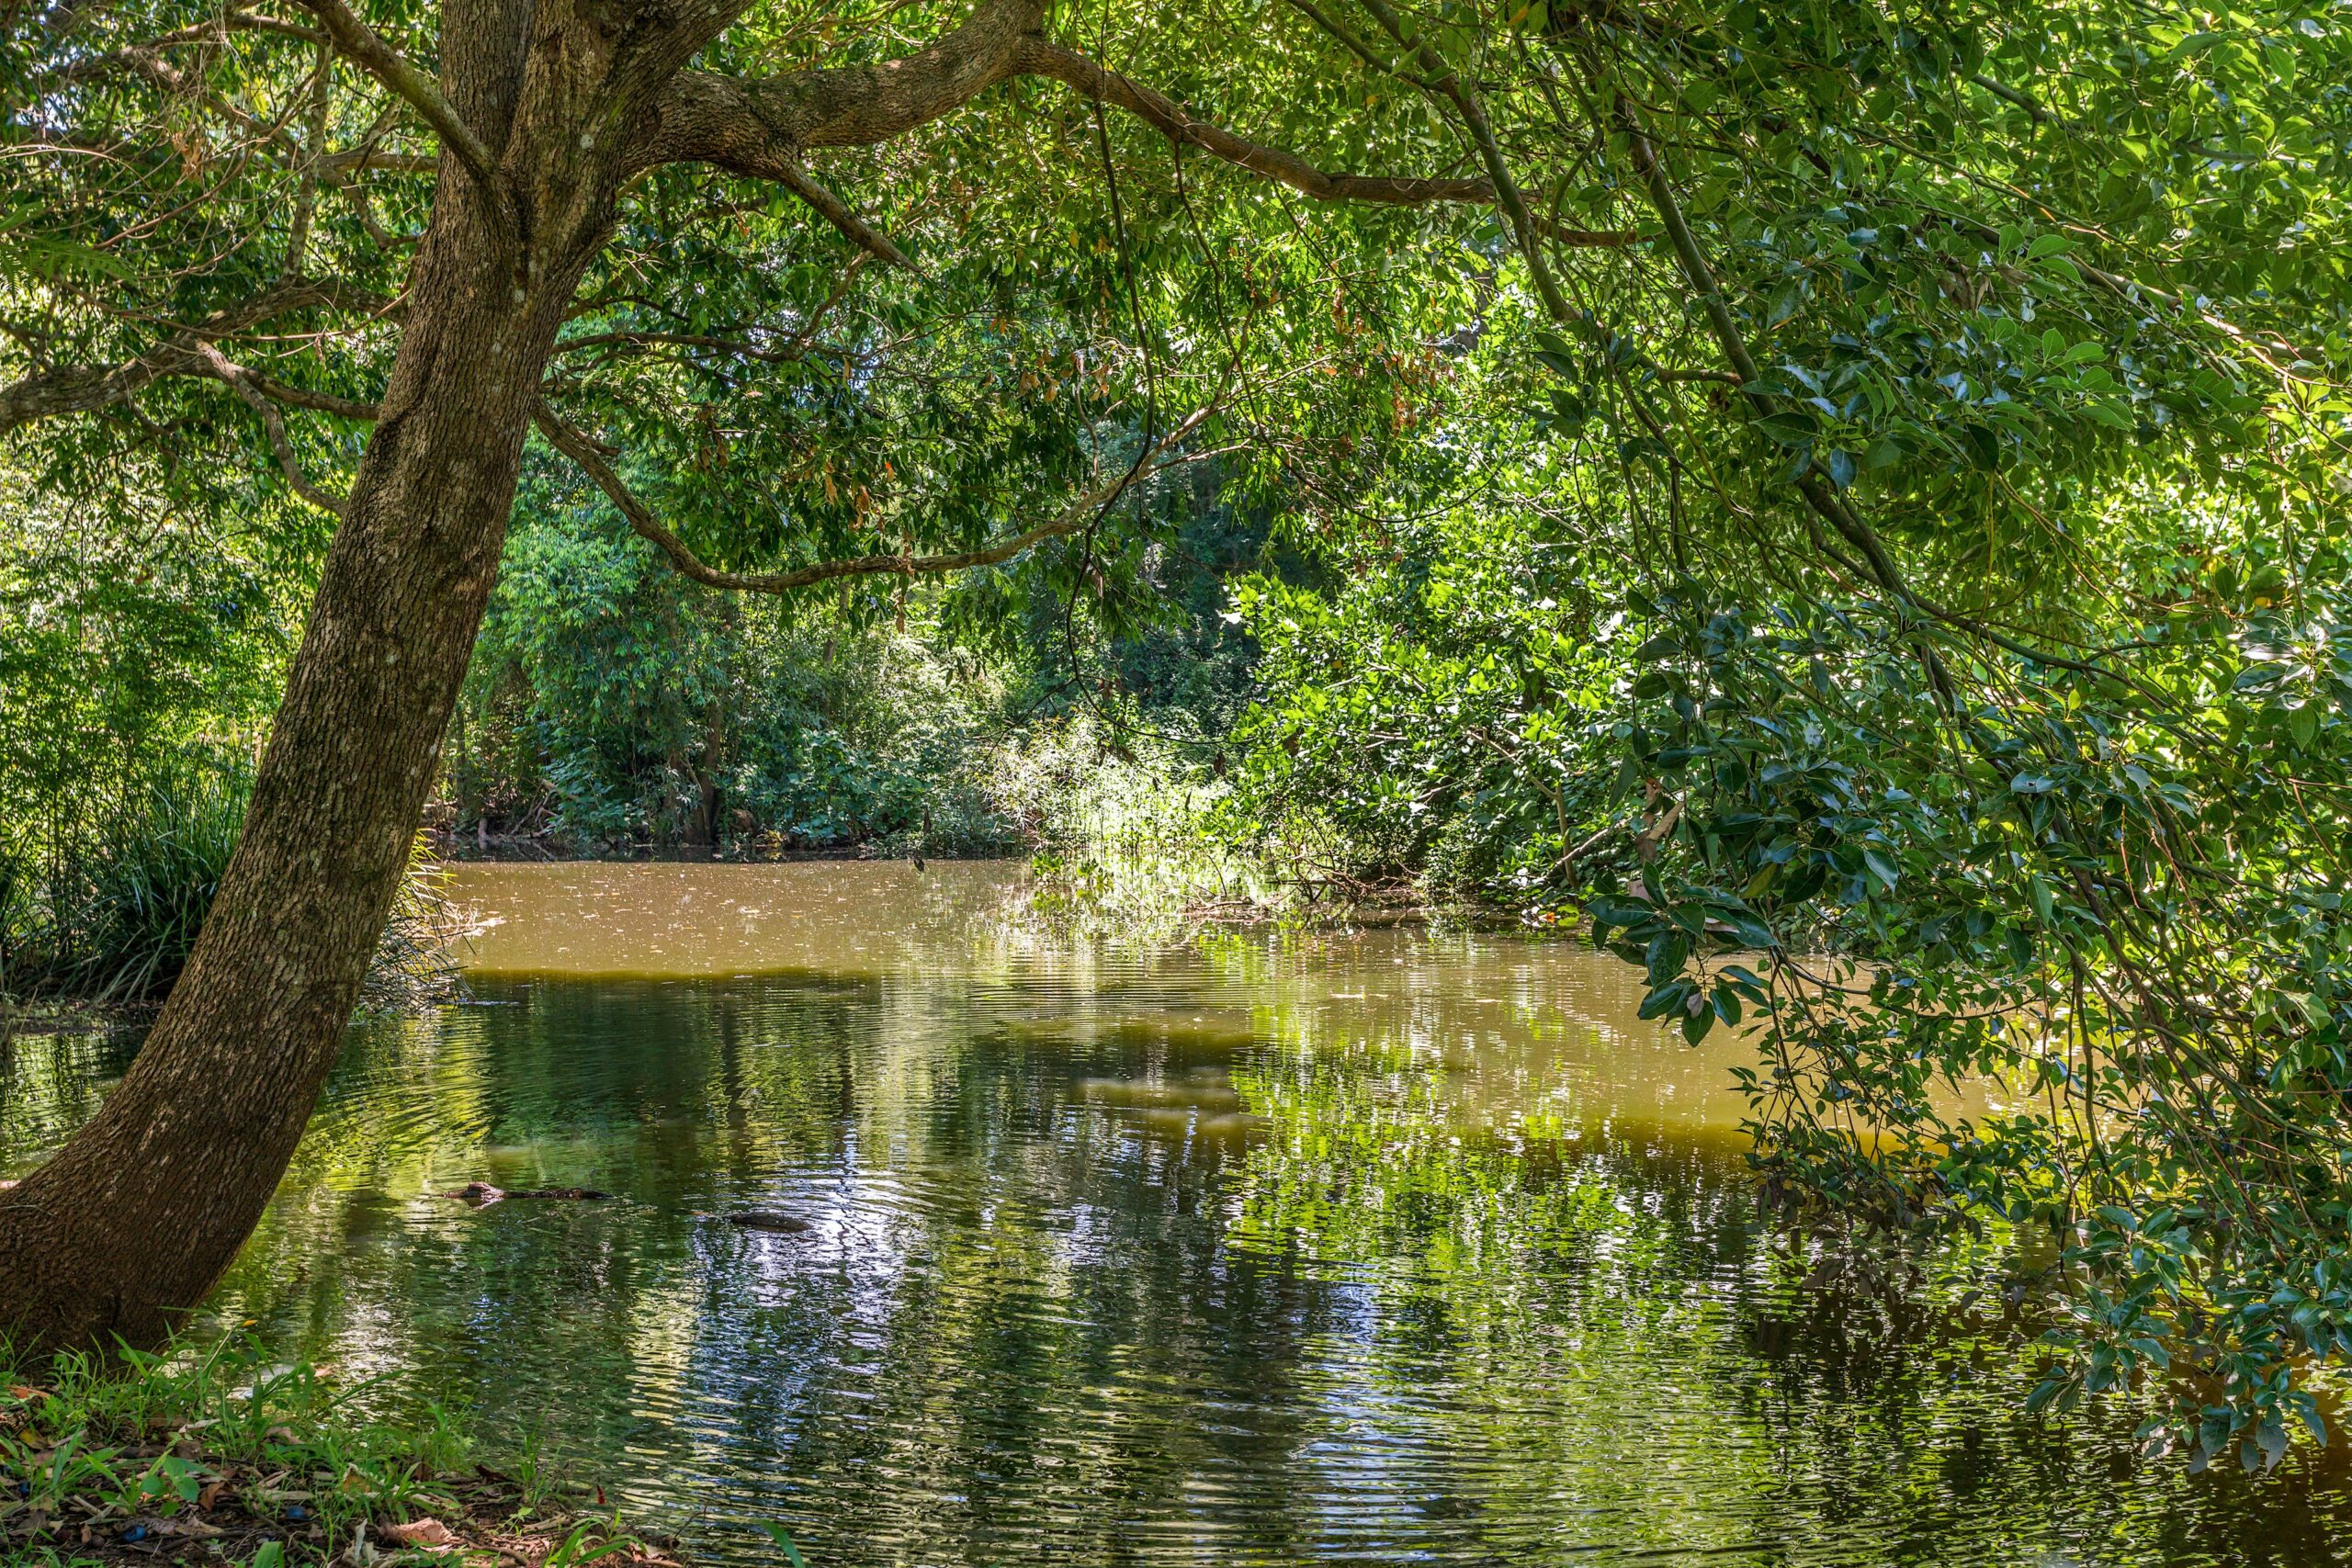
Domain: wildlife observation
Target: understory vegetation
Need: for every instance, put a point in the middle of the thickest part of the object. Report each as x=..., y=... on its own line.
x=138, y=696
x=219, y=1455
x=614, y=704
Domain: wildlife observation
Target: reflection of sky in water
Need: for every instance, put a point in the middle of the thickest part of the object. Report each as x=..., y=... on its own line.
x=1383, y=1247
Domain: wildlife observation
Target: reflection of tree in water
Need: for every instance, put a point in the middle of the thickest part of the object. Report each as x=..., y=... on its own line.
x=1563, y=1299
x=1129, y=1266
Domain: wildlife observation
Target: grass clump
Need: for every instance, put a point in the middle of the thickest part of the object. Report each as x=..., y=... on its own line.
x=107, y=917
x=225, y=1458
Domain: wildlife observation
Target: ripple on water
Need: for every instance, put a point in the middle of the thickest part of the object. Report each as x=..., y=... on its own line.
x=1377, y=1248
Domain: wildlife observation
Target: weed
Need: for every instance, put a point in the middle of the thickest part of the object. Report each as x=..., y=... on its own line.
x=245, y=1450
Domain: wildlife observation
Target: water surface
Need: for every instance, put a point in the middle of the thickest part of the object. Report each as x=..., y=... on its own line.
x=1385, y=1246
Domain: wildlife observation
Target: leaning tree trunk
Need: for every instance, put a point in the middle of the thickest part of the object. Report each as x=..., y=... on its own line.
x=549, y=104
x=137, y=1217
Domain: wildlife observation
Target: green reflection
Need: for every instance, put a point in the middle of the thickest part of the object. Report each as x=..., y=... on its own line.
x=1377, y=1247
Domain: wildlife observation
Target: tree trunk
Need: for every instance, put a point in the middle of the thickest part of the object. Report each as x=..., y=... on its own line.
x=136, y=1219
x=543, y=107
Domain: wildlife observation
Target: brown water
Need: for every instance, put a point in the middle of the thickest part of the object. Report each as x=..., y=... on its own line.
x=1385, y=1246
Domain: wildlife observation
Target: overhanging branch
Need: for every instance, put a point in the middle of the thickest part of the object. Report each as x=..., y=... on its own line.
x=759, y=127
x=1035, y=57
x=762, y=129
x=241, y=381
x=61, y=390
x=576, y=445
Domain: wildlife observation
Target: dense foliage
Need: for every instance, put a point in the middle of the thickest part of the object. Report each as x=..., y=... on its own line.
x=1899, y=602
x=1863, y=489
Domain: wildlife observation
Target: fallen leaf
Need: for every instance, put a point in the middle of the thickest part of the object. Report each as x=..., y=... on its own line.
x=210, y=1496
x=426, y=1532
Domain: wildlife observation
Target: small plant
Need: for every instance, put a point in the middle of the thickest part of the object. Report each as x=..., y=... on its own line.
x=270, y=1460
x=578, y=1551
x=537, y=1481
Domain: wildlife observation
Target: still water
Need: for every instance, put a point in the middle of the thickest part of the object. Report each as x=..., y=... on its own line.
x=1386, y=1246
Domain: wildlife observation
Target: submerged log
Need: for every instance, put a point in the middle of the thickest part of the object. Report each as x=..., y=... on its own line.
x=482, y=1193
x=769, y=1220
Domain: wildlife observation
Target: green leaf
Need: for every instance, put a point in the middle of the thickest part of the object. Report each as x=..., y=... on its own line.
x=1788, y=427
x=1884, y=453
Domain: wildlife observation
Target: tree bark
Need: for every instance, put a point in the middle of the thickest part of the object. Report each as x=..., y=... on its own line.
x=137, y=1216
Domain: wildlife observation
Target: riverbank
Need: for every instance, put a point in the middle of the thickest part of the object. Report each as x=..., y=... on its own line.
x=221, y=1458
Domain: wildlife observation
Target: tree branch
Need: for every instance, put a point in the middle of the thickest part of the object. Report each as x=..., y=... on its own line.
x=274, y=424
x=1036, y=57
x=365, y=48
x=836, y=211
x=235, y=21
x=1172, y=119
x=337, y=167
x=2009, y=94
x=1446, y=80
x=581, y=449
x=85, y=389
x=762, y=129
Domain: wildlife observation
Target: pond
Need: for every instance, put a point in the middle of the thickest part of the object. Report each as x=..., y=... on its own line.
x=1381, y=1246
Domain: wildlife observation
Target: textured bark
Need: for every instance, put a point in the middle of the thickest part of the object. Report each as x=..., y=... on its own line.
x=134, y=1220
x=760, y=127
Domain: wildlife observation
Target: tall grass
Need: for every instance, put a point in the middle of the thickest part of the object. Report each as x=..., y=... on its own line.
x=109, y=915
x=1125, y=835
